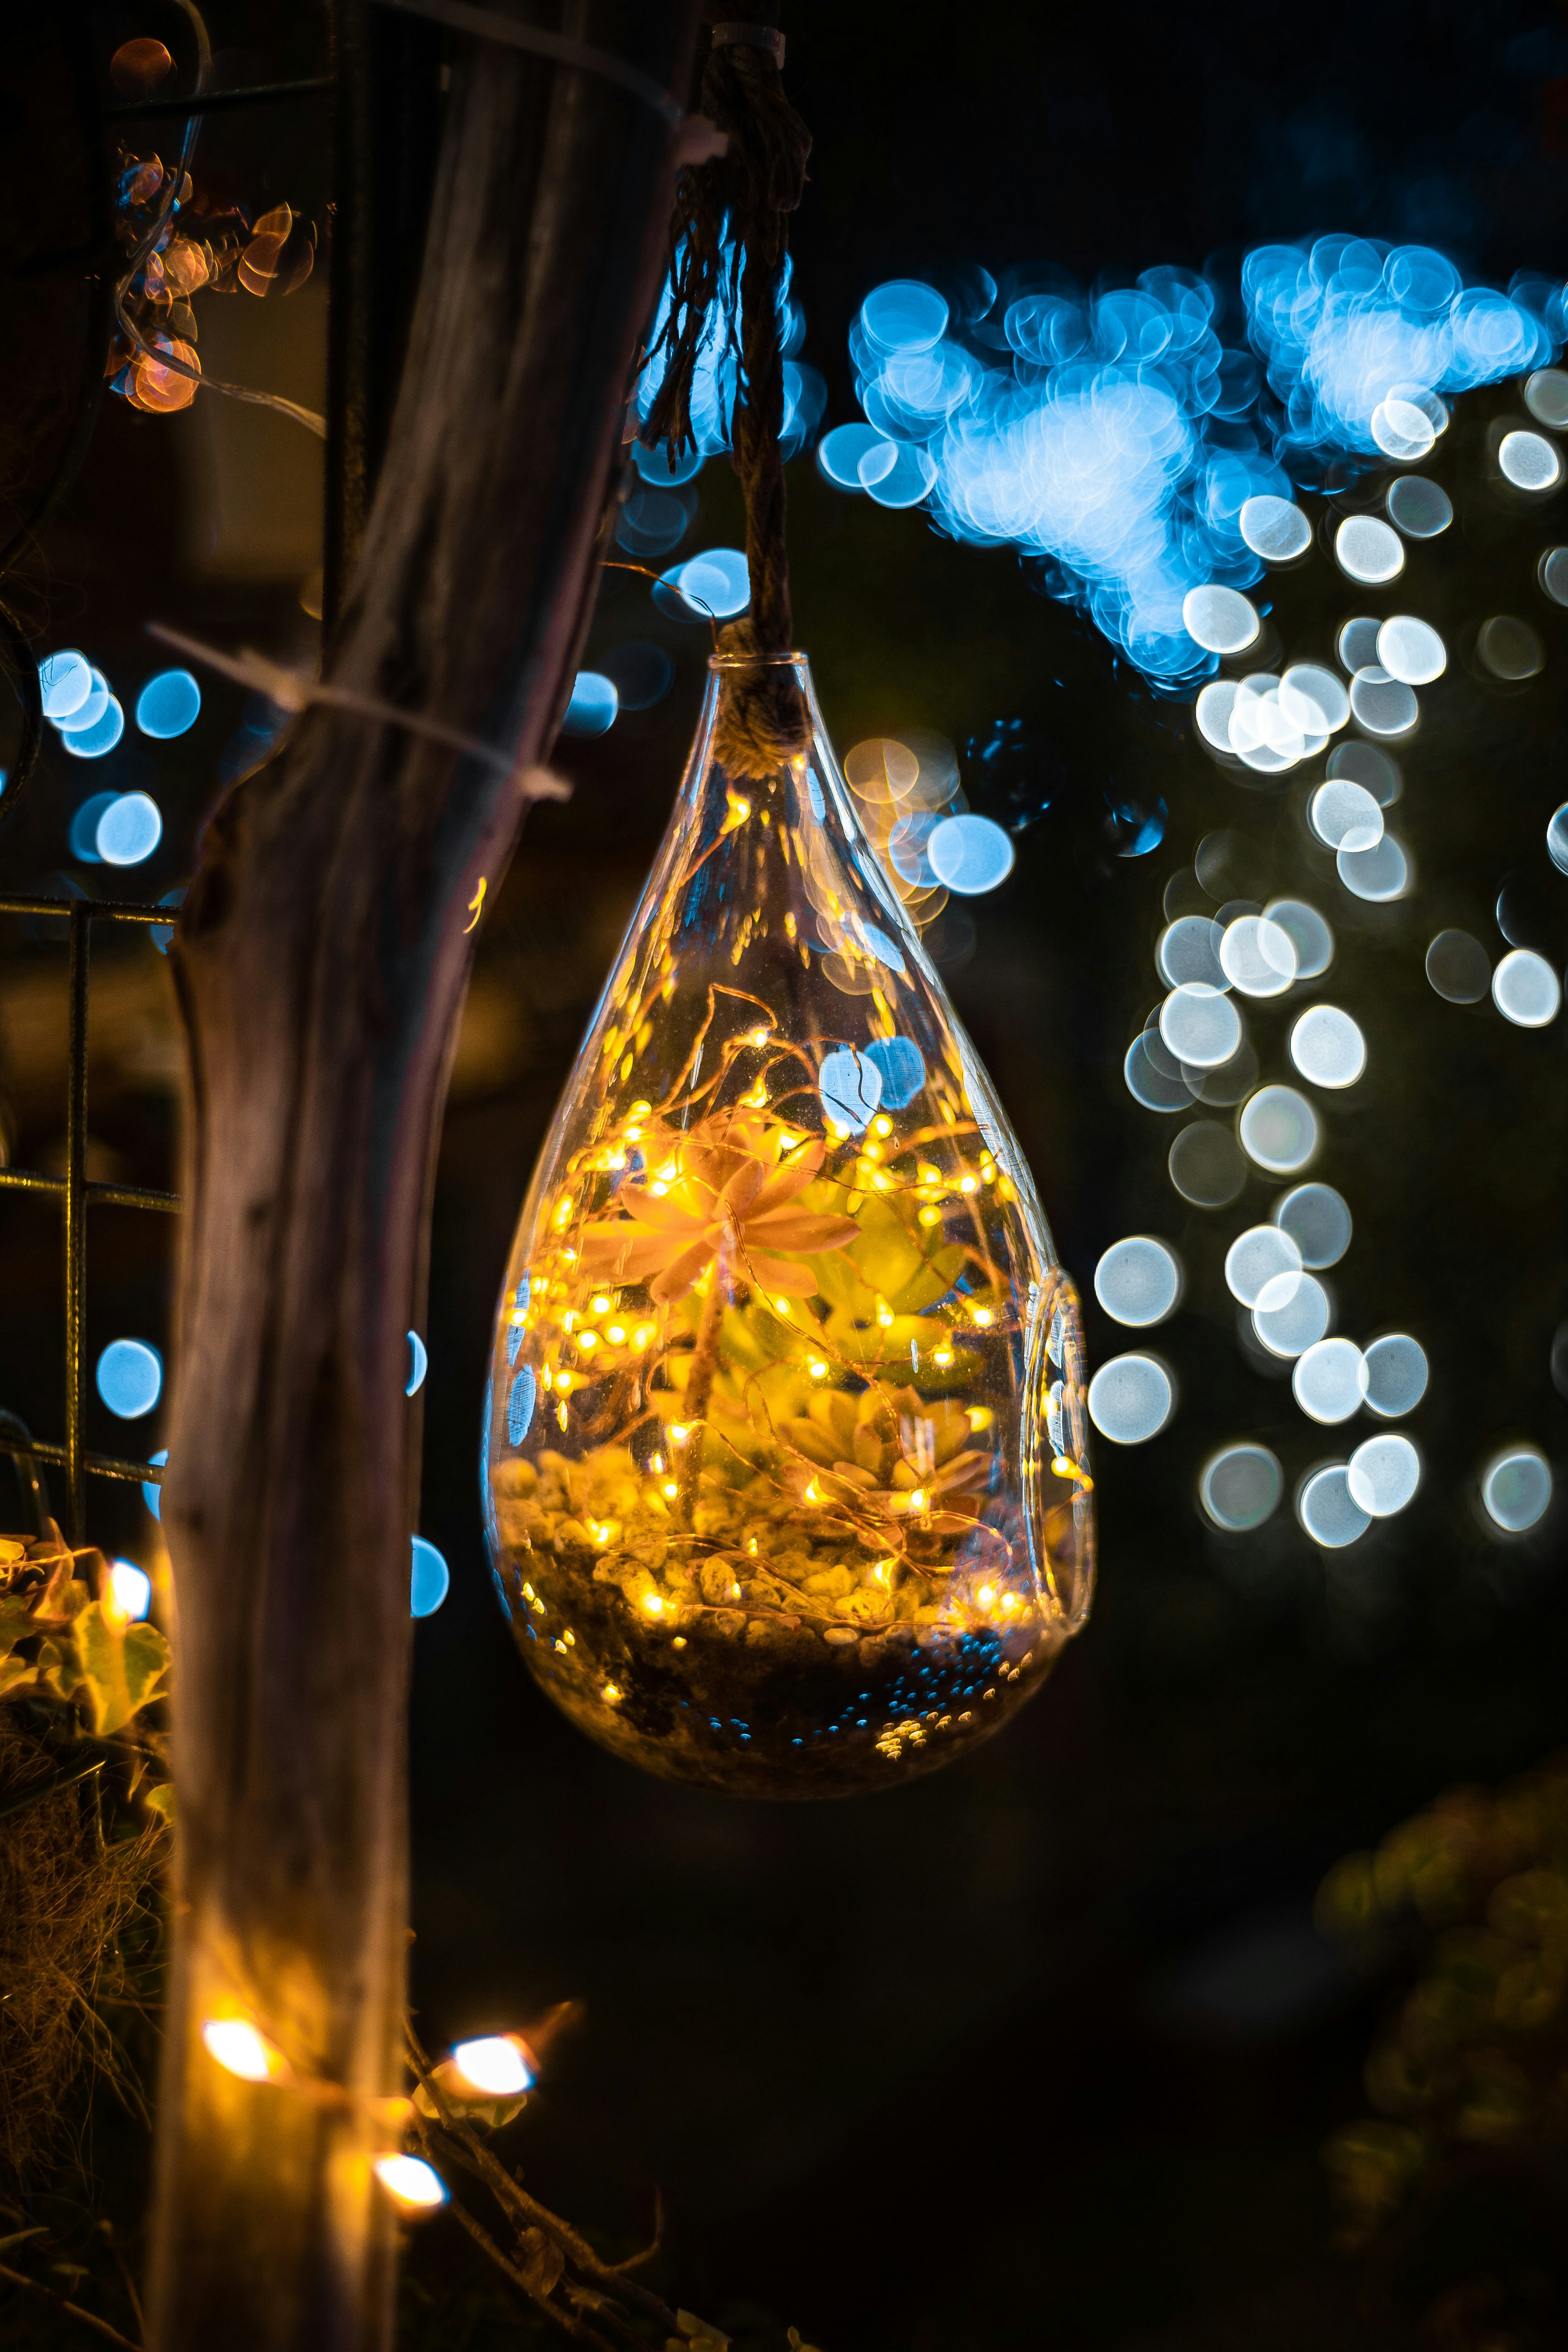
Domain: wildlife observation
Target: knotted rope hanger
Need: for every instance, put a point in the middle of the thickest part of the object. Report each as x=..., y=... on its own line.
x=728, y=240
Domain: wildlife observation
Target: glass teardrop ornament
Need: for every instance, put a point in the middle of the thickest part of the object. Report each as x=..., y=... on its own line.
x=785, y=1449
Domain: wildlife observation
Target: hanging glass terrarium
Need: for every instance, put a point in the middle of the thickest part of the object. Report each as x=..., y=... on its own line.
x=786, y=1460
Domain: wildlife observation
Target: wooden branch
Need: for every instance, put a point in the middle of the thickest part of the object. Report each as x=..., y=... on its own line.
x=88, y=2318
x=321, y=960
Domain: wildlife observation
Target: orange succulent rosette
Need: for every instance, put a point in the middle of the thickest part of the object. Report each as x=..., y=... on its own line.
x=732, y=1197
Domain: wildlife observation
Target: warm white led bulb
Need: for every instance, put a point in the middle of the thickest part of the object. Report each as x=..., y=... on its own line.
x=240, y=2049
x=496, y=2065
x=411, y=2183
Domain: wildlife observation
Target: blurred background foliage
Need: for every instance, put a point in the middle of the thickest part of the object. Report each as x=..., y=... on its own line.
x=1065, y=2046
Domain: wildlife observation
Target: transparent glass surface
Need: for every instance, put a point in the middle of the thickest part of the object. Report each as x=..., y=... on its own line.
x=785, y=1462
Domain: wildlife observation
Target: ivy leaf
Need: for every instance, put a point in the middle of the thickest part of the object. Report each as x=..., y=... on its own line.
x=542, y=2261
x=109, y=1674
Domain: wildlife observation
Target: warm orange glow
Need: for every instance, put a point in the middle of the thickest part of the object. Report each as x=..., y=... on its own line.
x=412, y=2184
x=240, y=2050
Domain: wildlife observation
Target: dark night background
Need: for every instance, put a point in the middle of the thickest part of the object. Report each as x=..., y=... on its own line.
x=1041, y=2050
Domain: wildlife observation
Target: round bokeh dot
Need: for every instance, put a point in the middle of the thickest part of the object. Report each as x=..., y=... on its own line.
x=969, y=853
x=1200, y=1025
x=1328, y=1511
x=1279, y=1129
x=1396, y=1375
x=1329, y=1381
x=1318, y=1219
x=1530, y=461
x=1368, y=549
x=1327, y=1047
x=1525, y=989
x=1458, y=967
x=1240, y=1487
x=1296, y=1322
x=429, y=1579
x=1420, y=508
x=129, y=1377
x=1220, y=619
x=130, y=829
x=1375, y=874
x=1257, y=1259
x=1206, y=1165
x=1516, y=1488
x=1383, y=1476
x=1130, y=1399
x=169, y=704
x=1138, y=1280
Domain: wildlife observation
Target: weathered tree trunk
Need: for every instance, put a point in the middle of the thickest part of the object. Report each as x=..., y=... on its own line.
x=321, y=962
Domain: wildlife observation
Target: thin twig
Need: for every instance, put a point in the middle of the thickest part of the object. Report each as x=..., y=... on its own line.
x=514, y=2199
x=128, y=2282
x=36, y=2287
x=563, y=2320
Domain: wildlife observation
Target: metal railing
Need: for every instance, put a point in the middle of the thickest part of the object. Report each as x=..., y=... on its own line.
x=76, y=1194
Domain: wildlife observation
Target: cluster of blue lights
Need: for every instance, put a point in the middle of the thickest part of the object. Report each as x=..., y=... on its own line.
x=1119, y=439
x=113, y=828
x=1360, y=338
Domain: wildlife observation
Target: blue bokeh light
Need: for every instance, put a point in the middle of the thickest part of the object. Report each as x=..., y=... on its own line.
x=81, y=836
x=87, y=713
x=169, y=704
x=65, y=681
x=152, y=1493
x=899, y=1065
x=162, y=933
x=520, y=1404
x=130, y=829
x=430, y=1579
x=593, y=705
x=665, y=472
x=418, y=1364
x=129, y=1377
x=92, y=743
x=850, y=1088
x=715, y=584
x=839, y=452
x=969, y=853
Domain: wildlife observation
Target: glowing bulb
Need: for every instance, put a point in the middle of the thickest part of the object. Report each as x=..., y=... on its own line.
x=679, y=1433
x=616, y=1333
x=240, y=2050
x=917, y=1499
x=653, y=1602
x=129, y=1595
x=412, y=2184
x=612, y=1694
x=819, y=1369
x=982, y=1316
x=670, y=1488
x=601, y=1305
x=497, y=2063
x=985, y=1595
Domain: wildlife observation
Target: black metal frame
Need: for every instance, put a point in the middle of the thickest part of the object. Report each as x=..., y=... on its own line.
x=385, y=80
x=76, y=1195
